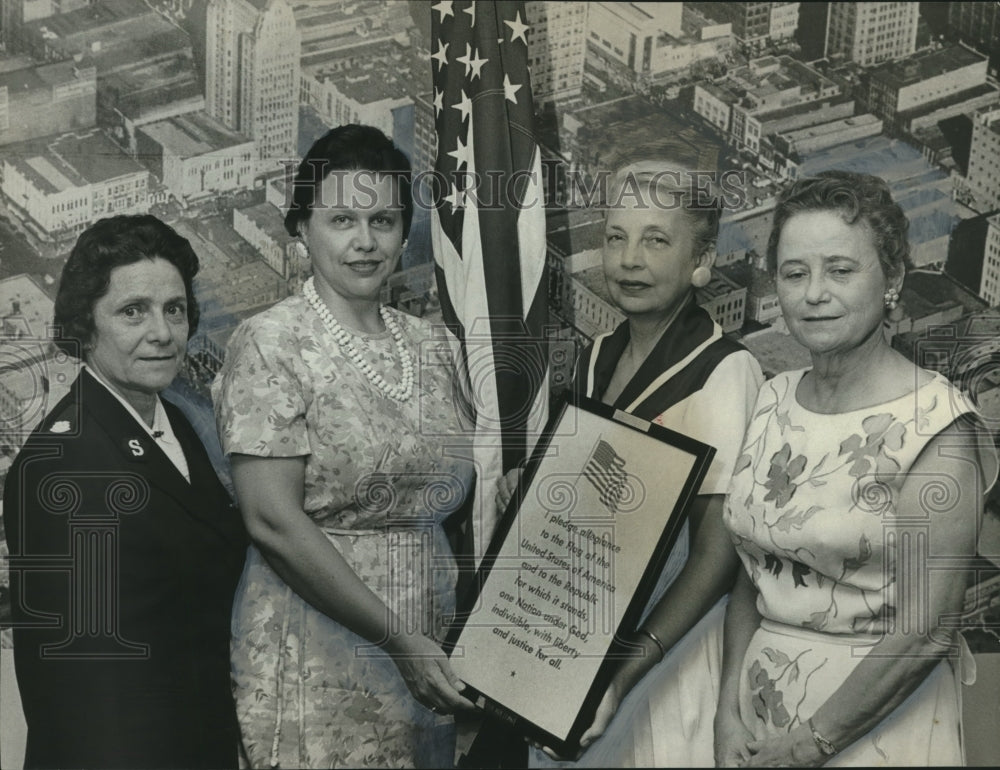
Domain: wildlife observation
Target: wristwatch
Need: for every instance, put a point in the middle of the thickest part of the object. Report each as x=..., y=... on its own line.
x=825, y=747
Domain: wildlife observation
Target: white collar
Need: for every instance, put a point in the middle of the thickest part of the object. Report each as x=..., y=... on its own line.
x=160, y=430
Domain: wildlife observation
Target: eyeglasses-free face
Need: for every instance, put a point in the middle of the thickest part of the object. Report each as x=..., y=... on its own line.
x=648, y=258
x=830, y=282
x=355, y=238
x=140, y=329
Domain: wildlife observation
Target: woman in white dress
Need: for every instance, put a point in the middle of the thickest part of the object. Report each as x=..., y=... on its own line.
x=668, y=363
x=855, y=509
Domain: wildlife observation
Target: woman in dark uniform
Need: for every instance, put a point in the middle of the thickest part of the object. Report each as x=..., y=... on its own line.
x=125, y=549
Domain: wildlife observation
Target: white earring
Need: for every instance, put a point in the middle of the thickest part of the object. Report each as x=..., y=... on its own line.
x=301, y=250
x=701, y=276
x=891, y=298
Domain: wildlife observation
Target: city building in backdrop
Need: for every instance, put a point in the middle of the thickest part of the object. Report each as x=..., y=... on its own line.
x=252, y=74
x=196, y=109
x=871, y=33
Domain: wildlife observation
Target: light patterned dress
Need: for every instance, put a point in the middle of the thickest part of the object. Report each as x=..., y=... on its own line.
x=380, y=476
x=812, y=511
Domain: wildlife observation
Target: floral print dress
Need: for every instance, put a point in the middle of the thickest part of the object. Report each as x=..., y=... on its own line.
x=380, y=476
x=811, y=509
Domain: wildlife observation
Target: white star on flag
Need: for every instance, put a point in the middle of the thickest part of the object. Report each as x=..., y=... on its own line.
x=464, y=106
x=444, y=8
x=477, y=64
x=509, y=89
x=441, y=54
x=438, y=102
x=517, y=29
x=460, y=153
x=473, y=64
x=471, y=10
x=455, y=197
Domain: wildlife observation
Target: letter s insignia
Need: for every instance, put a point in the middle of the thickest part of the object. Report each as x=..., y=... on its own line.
x=136, y=447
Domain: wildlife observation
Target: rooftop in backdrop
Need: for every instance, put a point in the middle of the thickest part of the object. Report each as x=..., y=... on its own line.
x=758, y=281
x=194, y=134
x=111, y=34
x=336, y=26
x=379, y=70
x=931, y=290
x=16, y=62
x=769, y=75
x=630, y=127
x=146, y=84
x=637, y=13
x=22, y=73
x=233, y=283
x=924, y=65
x=832, y=128
x=71, y=160
x=695, y=25
x=95, y=157
x=817, y=107
x=922, y=190
x=915, y=183
x=723, y=91
x=95, y=15
x=737, y=230
x=981, y=90
x=335, y=12
x=270, y=220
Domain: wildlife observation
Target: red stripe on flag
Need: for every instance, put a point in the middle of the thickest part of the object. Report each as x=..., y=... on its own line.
x=490, y=240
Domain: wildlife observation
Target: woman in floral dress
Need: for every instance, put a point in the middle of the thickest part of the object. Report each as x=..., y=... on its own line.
x=855, y=509
x=347, y=451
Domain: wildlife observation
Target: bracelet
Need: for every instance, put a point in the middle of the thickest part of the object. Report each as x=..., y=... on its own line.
x=651, y=635
x=825, y=747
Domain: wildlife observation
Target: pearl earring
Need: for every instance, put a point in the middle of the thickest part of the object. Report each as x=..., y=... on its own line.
x=891, y=298
x=301, y=250
x=701, y=276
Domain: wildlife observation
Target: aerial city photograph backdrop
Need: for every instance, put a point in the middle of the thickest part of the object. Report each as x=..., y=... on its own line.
x=198, y=111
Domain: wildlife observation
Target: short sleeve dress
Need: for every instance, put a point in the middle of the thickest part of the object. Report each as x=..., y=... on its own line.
x=812, y=511
x=700, y=383
x=380, y=477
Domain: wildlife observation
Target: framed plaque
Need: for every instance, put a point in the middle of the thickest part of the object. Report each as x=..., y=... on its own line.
x=570, y=569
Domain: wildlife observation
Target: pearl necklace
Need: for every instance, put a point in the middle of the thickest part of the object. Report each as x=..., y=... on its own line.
x=400, y=392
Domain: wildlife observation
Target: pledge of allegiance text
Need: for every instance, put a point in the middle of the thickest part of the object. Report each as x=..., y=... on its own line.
x=547, y=610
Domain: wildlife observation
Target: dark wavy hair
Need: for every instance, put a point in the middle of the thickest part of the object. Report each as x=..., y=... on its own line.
x=351, y=147
x=102, y=247
x=856, y=197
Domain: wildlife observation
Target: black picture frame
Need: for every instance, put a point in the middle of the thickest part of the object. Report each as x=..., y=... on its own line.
x=491, y=630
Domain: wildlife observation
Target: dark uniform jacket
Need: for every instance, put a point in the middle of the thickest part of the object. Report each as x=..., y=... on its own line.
x=122, y=584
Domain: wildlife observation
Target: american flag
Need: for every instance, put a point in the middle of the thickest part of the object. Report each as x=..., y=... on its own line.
x=488, y=230
x=605, y=470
